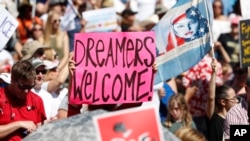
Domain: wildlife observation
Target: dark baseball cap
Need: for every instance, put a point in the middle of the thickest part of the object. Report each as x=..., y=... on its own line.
x=128, y=12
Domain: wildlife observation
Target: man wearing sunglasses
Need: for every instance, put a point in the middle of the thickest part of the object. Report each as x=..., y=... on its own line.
x=41, y=70
x=21, y=111
x=35, y=50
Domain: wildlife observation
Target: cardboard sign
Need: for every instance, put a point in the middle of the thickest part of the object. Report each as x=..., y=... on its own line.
x=137, y=124
x=244, y=28
x=113, y=67
x=8, y=25
x=100, y=20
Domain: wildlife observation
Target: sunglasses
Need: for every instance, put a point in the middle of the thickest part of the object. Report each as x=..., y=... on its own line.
x=234, y=99
x=37, y=29
x=25, y=87
x=41, y=71
x=57, y=21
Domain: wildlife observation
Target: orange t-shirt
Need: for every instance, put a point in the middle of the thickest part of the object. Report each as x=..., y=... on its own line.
x=24, y=26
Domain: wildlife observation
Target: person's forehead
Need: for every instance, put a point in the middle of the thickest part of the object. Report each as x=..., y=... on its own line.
x=174, y=104
x=37, y=25
x=183, y=21
x=231, y=92
x=55, y=16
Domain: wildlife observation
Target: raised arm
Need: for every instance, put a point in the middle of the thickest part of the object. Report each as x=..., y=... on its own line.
x=65, y=59
x=58, y=81
x=211, y=91
x=73, y=109
x=218, y=46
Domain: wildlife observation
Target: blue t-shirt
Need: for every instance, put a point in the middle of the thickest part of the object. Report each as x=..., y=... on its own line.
x=164, y=101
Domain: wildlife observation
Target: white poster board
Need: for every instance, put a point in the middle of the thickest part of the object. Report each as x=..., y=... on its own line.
x=245, y=10
x=68, y=22
x=8, y=25
x=100, y=20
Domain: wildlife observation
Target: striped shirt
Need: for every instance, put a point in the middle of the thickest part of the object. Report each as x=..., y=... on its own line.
x=237, y=115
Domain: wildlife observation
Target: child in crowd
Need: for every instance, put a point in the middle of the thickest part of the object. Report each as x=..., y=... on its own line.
x=179, y=115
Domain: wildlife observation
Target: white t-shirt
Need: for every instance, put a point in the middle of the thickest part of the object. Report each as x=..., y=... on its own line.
x=57, y=100
x=47, y=101
x=220, y=27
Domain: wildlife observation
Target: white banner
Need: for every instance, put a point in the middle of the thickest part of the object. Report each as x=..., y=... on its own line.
x=245, y=11
x=100, y=20
x=8, y=25
x=68, y=22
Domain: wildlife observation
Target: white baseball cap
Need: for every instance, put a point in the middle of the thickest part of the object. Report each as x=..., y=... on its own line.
x=50, y=65
x=5, y=77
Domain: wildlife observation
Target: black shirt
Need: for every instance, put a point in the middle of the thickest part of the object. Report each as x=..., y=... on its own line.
x=215, y=127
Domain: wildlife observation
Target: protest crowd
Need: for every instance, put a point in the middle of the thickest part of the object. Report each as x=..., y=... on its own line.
x=37, y=69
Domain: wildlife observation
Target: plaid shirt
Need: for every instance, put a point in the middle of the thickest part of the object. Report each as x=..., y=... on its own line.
x=237, y=115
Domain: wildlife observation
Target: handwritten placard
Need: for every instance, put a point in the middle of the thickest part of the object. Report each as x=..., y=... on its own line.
x=129, y=125
x=245, y=42
x=100, y=20
x=8, y=25
x=113, y=67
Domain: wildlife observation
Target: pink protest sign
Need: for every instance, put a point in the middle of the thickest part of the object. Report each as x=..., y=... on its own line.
x=113, y=67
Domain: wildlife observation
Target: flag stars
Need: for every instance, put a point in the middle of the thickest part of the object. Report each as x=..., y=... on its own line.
x=193, y=13
x=202, y=30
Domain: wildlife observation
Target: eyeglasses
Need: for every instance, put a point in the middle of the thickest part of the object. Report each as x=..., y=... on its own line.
x=57, y=21
x=37, y=29
x=41, y=71
x=25, y=87
x=234, y=99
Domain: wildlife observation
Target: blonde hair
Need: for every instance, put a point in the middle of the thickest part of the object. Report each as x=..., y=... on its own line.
x=182, y=104
x=189, y=134
x=49, y=54
x=48, y=31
